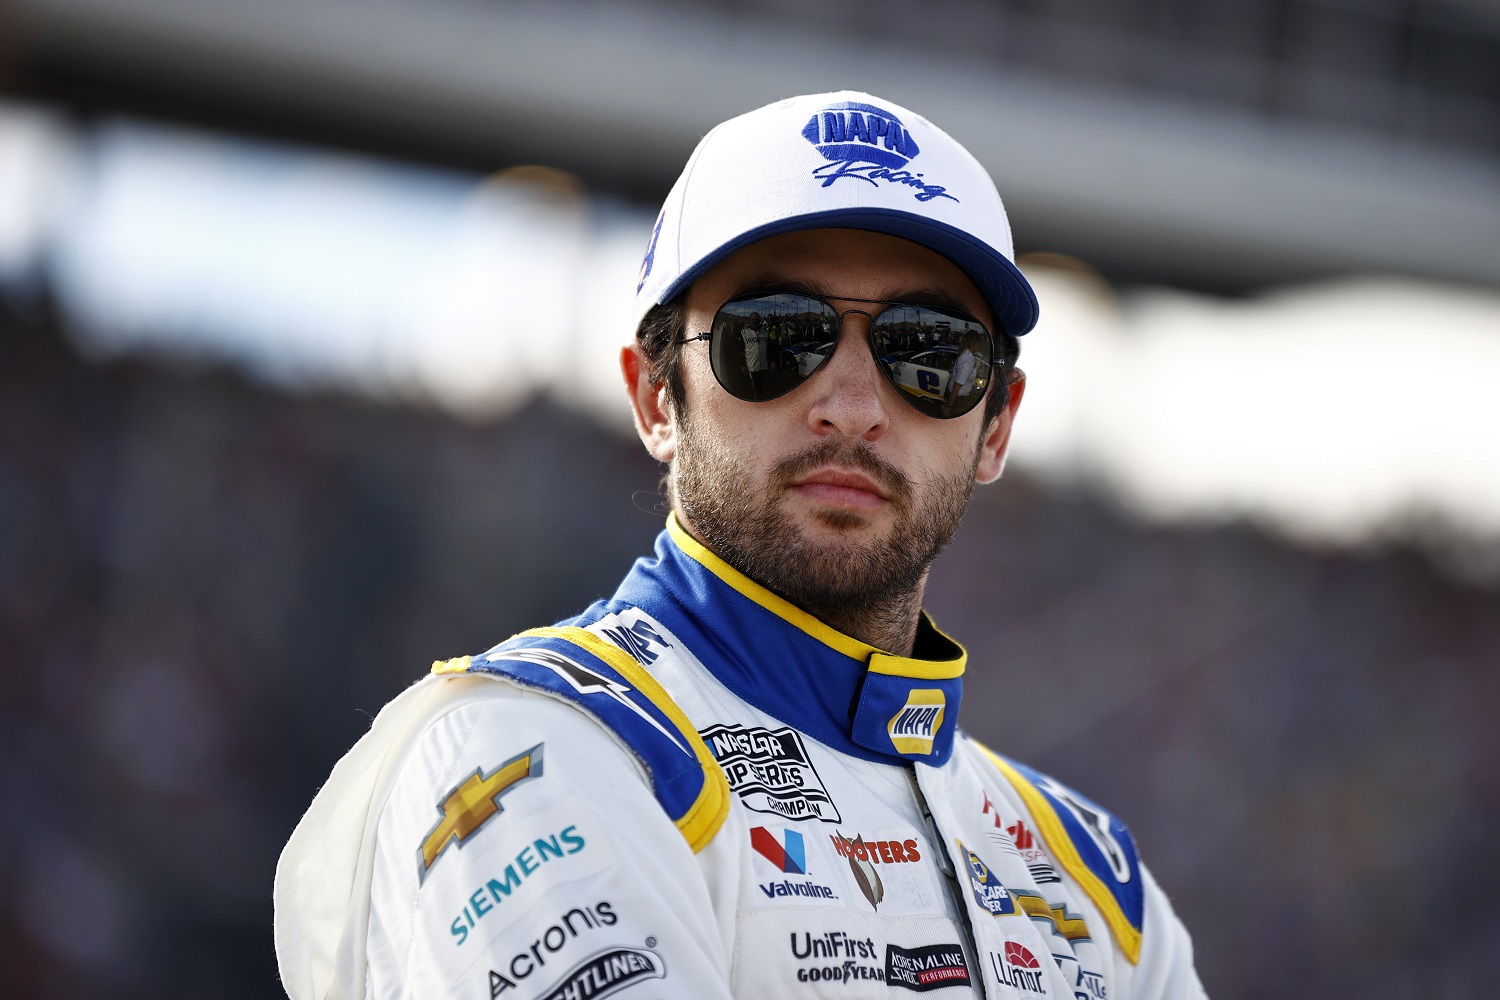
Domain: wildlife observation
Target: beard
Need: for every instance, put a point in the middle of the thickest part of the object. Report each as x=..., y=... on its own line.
x=844, y=581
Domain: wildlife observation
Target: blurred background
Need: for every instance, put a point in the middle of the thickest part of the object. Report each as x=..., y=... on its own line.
x=307, y=317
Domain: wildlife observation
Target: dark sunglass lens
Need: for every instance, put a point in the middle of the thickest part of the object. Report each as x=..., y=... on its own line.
x=938, y=361
x=764, y=347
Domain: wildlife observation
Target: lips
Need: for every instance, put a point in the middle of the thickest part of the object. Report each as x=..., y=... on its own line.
x=843, y=474
x=844, y=487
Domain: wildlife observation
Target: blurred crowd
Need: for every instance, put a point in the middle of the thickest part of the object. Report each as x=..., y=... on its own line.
x=207, y=588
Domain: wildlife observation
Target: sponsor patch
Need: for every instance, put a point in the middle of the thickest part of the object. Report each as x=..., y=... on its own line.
x=541, y=851
x=788, y=853
x=835, y=957
x=639, y=639
x=770, y=771
x=929, y=968
x=1093, y=985
x=472, y=803
x=991, y=896
x=1020, y=839
x=865, y=875
x=887, y=852
x=804, y=890
x=863, y=142
x=607, y=972
x=863, y=855
x=915, y=725
x=533, y=958
x=1019, y=969
x=1065, y=922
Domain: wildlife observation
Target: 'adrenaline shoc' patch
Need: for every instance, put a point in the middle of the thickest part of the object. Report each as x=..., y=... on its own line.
x=923, y=969
x=771, y=772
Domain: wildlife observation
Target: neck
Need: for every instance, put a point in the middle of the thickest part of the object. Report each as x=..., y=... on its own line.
x=889, y=624
x=882, y=614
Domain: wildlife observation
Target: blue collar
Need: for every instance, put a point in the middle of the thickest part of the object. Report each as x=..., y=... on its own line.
x=839, y=690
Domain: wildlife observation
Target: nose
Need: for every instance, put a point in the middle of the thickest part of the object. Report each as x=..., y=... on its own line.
x=849, y=389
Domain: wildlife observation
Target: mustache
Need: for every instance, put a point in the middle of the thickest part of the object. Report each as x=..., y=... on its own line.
x=858, y=455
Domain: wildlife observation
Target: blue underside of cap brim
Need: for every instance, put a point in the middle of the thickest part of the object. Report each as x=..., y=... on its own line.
x=1003, y=286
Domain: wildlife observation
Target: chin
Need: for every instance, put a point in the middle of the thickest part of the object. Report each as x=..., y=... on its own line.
x=845, y=522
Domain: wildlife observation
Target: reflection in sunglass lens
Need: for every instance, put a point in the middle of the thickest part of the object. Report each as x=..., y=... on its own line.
x=766, y=346
x=938, y=361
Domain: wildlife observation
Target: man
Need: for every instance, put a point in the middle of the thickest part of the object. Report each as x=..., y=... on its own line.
x=962, y=378
x=755, y=338
x=742, y=775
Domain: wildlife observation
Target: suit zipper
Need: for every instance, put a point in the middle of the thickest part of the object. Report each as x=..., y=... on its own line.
x=955, y=888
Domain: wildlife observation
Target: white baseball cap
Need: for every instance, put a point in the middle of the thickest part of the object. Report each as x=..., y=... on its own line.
x=845, y=160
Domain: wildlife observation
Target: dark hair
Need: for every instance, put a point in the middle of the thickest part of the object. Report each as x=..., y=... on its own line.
x=665, y=325
x=659, y=335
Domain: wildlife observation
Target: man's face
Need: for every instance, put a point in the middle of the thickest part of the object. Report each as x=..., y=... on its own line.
x=838, y=493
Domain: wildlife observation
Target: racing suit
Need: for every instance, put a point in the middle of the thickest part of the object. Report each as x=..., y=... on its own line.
x=695, y=789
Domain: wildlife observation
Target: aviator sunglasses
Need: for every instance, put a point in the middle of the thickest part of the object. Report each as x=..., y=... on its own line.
x=764, y=346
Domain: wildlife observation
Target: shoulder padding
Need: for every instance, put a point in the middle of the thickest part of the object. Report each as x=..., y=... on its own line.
x=608, y=686
x=1091, y=845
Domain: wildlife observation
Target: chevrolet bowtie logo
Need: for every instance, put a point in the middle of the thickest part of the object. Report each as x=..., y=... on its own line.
x=472, y=803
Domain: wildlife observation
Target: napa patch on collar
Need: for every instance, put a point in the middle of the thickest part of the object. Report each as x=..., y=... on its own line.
x=911, y=717
x=606, y=684
x=1092, y=846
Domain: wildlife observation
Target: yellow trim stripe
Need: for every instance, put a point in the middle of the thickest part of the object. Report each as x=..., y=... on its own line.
x=1061, y=846
x=457, y=665
x=782, y=608
x=927, y=670
x=879, y=661
x=708, y=812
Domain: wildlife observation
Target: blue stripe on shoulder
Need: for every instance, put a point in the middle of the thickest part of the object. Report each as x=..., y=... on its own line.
x=1104, y=844
x=563, y=669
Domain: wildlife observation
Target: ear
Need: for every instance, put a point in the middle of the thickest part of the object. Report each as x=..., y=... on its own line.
x=648, y=401
x=996, y=443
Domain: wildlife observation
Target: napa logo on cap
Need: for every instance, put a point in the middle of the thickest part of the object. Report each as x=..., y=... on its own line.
x=916, y=725
x=862, y=142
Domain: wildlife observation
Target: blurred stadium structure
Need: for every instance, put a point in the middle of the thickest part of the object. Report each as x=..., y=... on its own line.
x=320, y=269
x=304, y=360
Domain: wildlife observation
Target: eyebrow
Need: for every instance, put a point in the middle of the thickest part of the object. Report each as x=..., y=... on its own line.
x=925, y=296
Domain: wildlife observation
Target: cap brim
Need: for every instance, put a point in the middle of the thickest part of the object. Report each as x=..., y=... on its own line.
x=1001, y=283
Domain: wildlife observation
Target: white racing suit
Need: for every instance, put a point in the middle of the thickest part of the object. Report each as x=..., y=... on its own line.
x=696, y=790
